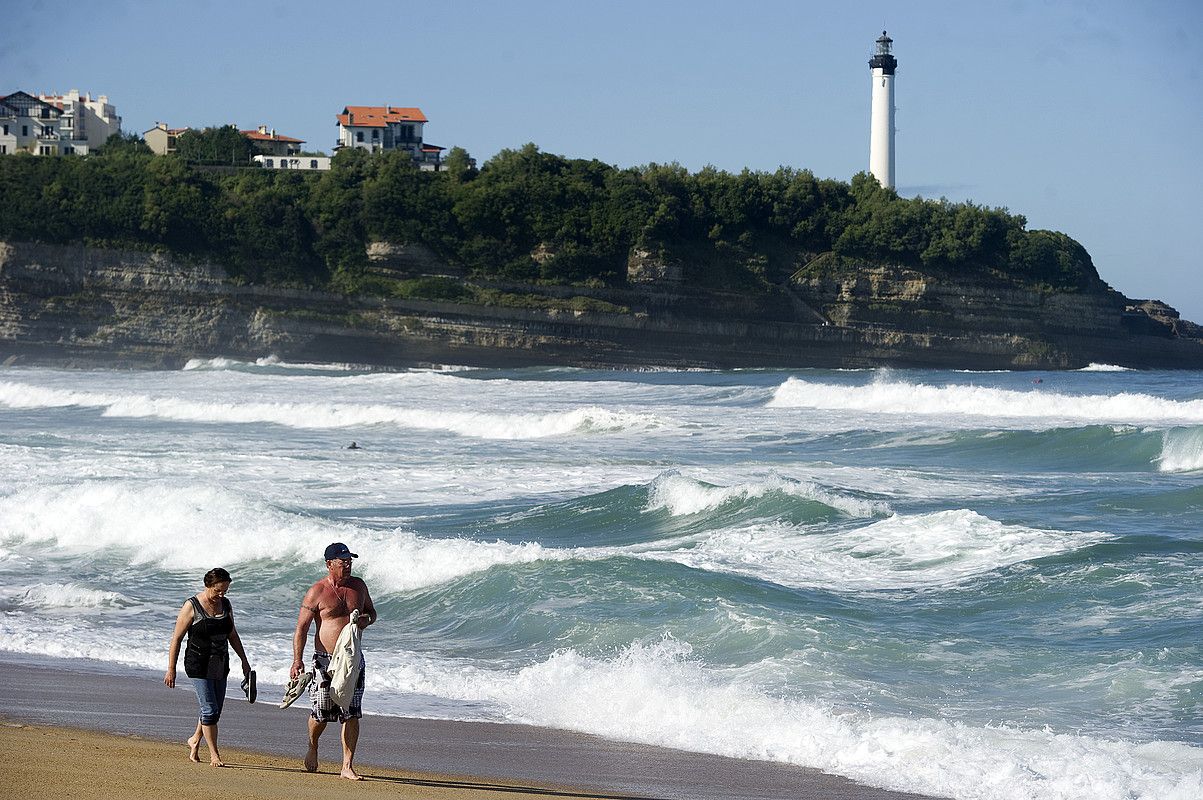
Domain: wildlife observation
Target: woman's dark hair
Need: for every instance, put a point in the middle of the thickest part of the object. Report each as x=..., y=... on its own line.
x=215, y=576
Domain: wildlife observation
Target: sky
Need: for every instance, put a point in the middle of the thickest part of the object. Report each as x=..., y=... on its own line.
x=1085, y=117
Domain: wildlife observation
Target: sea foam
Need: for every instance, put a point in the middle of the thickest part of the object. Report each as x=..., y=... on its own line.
x=581, y=420
x=659, y=693
x=894, y=397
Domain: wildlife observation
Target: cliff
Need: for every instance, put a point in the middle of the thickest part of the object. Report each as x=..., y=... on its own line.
x=75, y=305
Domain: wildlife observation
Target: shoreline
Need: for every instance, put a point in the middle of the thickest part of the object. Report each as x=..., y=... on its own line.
x=460, y=759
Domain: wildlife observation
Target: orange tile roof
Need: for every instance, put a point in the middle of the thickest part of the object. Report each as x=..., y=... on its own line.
x=267, y=137
x=379, y=116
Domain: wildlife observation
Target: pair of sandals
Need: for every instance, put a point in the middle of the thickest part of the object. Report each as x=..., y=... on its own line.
x=296, y=687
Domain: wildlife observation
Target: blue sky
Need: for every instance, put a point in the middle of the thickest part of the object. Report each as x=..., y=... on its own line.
x=1086, y=117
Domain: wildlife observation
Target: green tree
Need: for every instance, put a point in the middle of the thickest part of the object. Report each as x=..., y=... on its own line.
x=221, y=144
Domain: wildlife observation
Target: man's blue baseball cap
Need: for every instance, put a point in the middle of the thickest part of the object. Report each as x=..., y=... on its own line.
x=339, y=550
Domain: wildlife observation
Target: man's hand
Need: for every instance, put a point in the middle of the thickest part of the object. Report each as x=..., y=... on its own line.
x=298, y=666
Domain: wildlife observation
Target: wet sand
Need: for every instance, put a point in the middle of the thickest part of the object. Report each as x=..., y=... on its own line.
x=70, y=709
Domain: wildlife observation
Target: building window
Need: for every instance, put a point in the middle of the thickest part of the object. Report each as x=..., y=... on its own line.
x=375, y=133
x=359, y=136
x=66, y=122
x=313, y=163
x=6, y=130
x=24, y=130
x=268, y=163
x=3, y=149
x=68, y=150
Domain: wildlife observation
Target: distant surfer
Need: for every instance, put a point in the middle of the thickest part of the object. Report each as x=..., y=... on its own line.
x=1034, y=380
x=329, y=603
x=353, y=446
x=208, y=619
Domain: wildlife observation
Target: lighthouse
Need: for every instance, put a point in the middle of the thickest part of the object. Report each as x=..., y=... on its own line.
x=881, y=127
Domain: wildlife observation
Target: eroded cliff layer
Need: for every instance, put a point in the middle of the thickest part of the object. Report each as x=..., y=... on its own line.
x=71, y=304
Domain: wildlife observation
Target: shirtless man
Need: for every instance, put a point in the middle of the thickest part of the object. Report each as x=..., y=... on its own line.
x=329, y=603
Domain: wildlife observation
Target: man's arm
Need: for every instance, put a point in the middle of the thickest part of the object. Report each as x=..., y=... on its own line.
x=369, y=608
x=305, y=618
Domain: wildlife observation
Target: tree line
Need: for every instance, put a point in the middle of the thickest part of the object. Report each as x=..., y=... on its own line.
x=524, y=216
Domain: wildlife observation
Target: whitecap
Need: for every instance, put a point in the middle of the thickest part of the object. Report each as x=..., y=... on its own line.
x=893, y=397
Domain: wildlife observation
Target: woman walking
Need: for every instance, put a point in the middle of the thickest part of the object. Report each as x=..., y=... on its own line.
x=208, y=619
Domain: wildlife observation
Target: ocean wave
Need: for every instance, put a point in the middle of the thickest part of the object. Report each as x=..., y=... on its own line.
x=219, y=363
x=1092, y=367
x=894, y=397
x=161, y=524
x=658, y=693
x=59, y=597
x=901, y=552
x=481, y=425
x=1181, y=450
x=681, y=496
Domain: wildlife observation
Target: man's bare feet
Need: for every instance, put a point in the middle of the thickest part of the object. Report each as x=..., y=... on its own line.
x=193, y=747
x=311, y=760
x=350, y=774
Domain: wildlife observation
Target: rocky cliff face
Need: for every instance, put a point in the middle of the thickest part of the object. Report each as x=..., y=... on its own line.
x=66, y=304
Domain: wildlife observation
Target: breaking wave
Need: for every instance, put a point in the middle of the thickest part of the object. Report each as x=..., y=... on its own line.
x=893, y=397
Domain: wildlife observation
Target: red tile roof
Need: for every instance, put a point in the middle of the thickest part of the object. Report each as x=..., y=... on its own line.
x=378, y=116
x=267, y=137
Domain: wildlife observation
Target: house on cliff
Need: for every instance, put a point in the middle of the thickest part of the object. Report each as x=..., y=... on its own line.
x=54, y=124
x=380, y=128
x=269, y=143
x=161, y=139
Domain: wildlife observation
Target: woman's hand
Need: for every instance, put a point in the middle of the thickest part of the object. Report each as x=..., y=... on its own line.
x=169, y=679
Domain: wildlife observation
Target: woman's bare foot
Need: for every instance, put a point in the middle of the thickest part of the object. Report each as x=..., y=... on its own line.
x=311, y=760
x=350, y=774
x=215, y=761
x=193, y=747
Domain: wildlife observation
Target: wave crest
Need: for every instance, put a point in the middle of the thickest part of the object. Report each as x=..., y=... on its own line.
x=893, y=397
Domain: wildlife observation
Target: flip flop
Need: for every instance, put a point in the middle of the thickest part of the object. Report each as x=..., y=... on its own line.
x=295, y=688
x=248, y=686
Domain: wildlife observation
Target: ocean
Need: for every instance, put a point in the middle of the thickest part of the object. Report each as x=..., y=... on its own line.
x=978, y=585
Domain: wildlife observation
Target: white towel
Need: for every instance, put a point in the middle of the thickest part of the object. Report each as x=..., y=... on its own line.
x=345, y=663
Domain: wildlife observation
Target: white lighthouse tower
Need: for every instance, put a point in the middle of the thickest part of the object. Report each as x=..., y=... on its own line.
x=881, y=129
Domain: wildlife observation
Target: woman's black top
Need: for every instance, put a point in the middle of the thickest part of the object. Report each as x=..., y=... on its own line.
x=207, y=654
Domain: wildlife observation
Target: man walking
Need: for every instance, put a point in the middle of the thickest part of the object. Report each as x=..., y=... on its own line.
x=329, y=603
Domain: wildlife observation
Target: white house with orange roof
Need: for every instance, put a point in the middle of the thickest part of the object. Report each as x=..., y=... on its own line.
x=380, y=128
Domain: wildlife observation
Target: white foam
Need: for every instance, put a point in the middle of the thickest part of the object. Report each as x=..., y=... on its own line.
x=1181, y=450
x=893, y=397
x=220, y=363
x=682, y=496
x=1104, y=368
x=658, y=693
x=160, y=524
x=901, y=552
x=582, y=420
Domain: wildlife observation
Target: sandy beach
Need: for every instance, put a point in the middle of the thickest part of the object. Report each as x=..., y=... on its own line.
x=72, y=731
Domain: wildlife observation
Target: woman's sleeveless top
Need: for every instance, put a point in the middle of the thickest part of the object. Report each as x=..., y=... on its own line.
x=207, y=654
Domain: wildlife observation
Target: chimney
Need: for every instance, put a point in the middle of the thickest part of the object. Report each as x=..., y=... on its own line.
x=263, y=129
x=274, y=136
